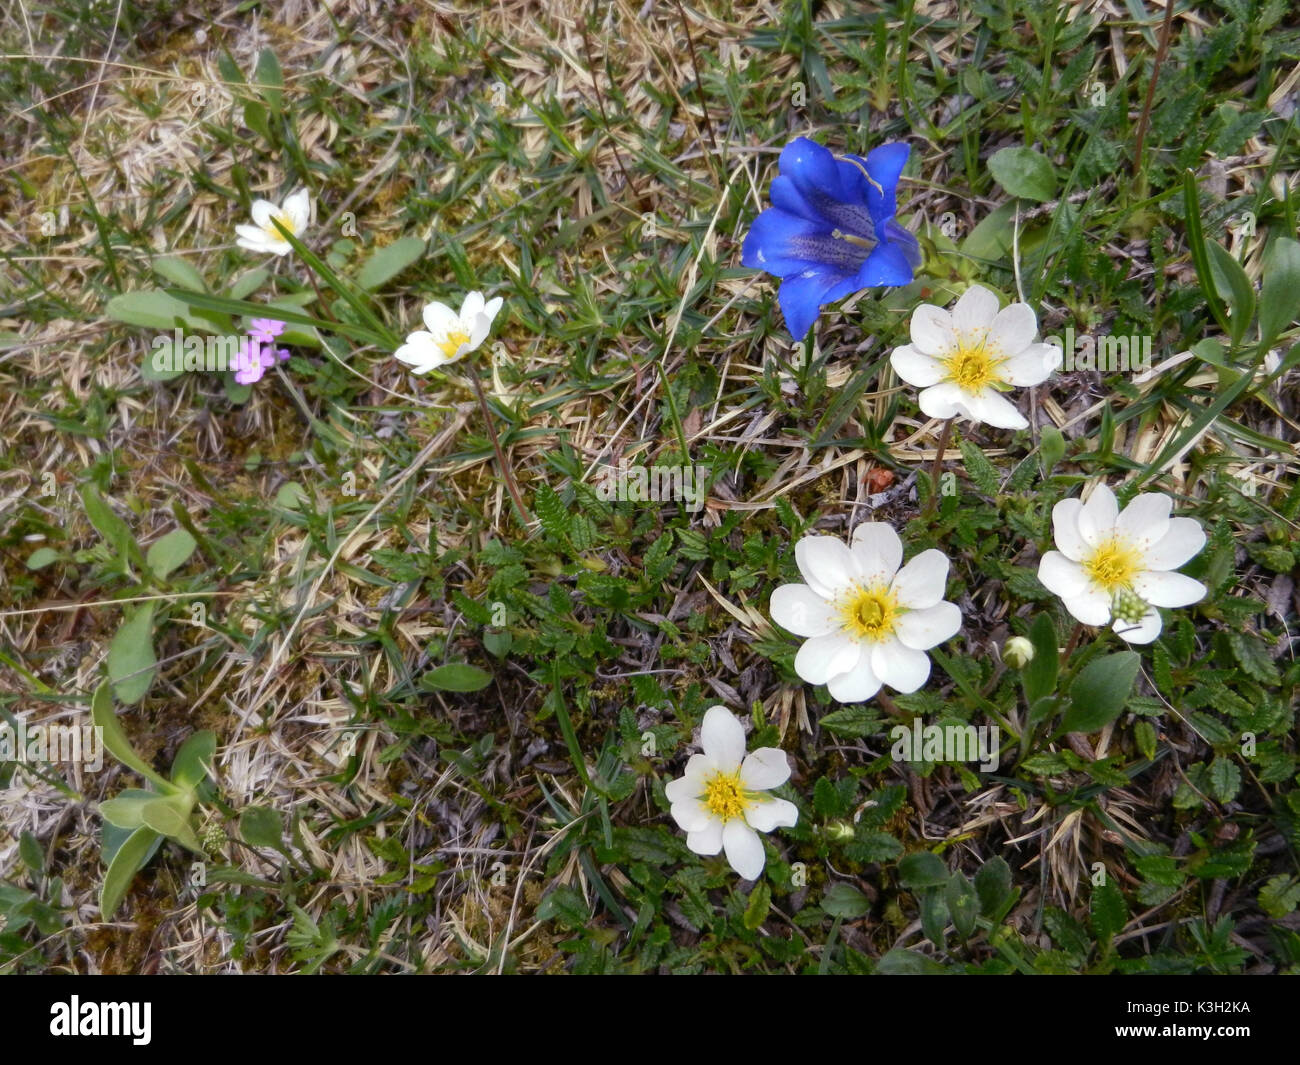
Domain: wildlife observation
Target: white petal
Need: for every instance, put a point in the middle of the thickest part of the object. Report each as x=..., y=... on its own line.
x=1168, y=589
x=1144, y=631
x=440, y=319
x=691, y=815
x=690, y=785
x=262, y=212
x=420, y=352
x=1051, y=354
x=826, y=564
x=1014, y=329
x=915, y=367
x=923, y=629
x=823, y=657
x=764, y=769
x=723, y=738
x=772, y=813
x=298, y=208
x=1061, y=576
x=932, y=331
x=1027, y=368
x=798, y=609
x=940, y=401
x=744, y=849
x=922, y=581
x=707, y=840
x=1065, y=529
x=1091, y=606
x=878, y=550
x=857, y=684
x=903, y=668
x=974, y=312
x=479, y=329
x=1098, y=515
x=472, y=306
x=491, y=308
x=1181, y=542
x=1145, y=521
x=991, y=408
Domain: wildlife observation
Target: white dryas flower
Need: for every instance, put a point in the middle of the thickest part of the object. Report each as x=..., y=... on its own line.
x=867, y=621
x=720, y=802
x=1115, y=566
x=449, y=335
x=962, y=360
x=262, y=236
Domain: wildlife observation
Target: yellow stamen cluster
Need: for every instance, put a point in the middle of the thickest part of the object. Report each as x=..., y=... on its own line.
x=870, y=613
x=725, y=796
x=1113, y=565
x=972, y=366
x=284, y=220
x=451, y=344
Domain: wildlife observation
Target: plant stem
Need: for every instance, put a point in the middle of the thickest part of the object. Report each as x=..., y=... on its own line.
x=937, y=469
x=496, y=446
x=1161, y=51
x=1074, y=641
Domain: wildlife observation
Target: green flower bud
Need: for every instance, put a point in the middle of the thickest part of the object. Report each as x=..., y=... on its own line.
x=1128, y=606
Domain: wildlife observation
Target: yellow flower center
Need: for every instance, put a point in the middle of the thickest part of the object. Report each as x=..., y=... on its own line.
x=971, y=367
x=451, y=344
x=1113, y=565
x=284, y=220
x=870, y=613
x=724, y=795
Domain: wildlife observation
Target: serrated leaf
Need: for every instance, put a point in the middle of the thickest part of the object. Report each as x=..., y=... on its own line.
x=852, y=721
x=1279, y=896
x=1225, y=779
x=983, y=474
x=1255, y=662
x=760, y=902
x=551, y=511
x=1108, y=911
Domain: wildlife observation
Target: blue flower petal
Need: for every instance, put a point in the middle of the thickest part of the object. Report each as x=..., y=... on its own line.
x=885, y=164
x=802, y=294
x=886, y=265
x=819, y=187
x=783, y=243
x=898, y=236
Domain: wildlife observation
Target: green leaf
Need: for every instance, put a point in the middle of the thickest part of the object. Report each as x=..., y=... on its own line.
x=169, y=552
x=112, y=528
x=552, y=511
x=42, y=557
x=131, y=659
x=179, y=272
x=129, y=860
x=922, y=870
x=114, y=739
x=852, y=721
x=1024, y=172
x=193, y=761
x=456, y=677
x=1279, y=896
x=963, y=905
x=993, y=886
x=1108, y=911
x=1225, y=779
x=126, y=808
x=901, y=962
x=1051, y=445
x=269, y=80
x=1279, y=292
x=1231, y=279
x=990, y=240
x=760, y=902
x=846, y=901
x=1197, y=245
x=152, y=309
x=983, y=474
x=1098, y=693
x=1040, y=673
x=389, y=261
x=29, y=850
x=260, y=826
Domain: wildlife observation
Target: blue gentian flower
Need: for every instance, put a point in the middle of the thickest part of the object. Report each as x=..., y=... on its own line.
x=831, y=229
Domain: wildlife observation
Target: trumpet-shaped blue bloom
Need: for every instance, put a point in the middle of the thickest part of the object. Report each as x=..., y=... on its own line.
x=831, y=229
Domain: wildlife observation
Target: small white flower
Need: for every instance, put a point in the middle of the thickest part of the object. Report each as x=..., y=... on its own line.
x=449, y=335
x=262, y=236
x=867, y=621
x=962, y=360
x=1118, y=567
x=719, y=802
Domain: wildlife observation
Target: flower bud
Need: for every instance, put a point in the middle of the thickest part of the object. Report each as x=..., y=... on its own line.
x=839, y=831
x=1128, y=606
x=1017, y=652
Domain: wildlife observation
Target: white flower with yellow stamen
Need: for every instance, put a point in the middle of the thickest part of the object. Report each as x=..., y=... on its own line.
x=449, y=335
x=1117, y=568
x=963, y=360
x=262, y=235
x=720, y=802
x=867, y=621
